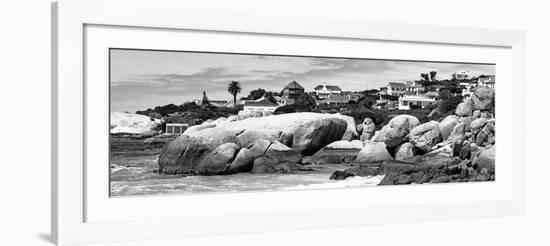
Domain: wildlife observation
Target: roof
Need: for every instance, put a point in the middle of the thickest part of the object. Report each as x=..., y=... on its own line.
x=395, y=84
x=262, y=103
x=329, y=87
x=294, y=85
x=487, y=80
x=431, y=93
x=336, y=99
x=416, y=98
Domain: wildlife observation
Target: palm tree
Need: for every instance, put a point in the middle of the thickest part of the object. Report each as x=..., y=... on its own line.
x=234, y=88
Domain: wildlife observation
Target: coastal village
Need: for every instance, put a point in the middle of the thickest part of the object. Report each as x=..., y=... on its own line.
x=395, y=95
x=325, y=98
x=424, y=131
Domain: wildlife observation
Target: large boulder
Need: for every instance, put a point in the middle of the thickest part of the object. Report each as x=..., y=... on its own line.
x=373, y=152
x=483, y=98
x=252, y=114
x=182, y=155
x=219, y=160
x=447, y=125
x=465, y=108
x=245, y=158
x=368, y=129
x=405, y=151
x=343, y=144
x=281, y=152
x=304, y=132
x=486, y=159
x=397, y=130
x=249, y=136
x=131, y=123
x=486, y=136
x=425, y=136
x=351, y=131
x=269, y=152
x=290, y=136
x=336, y=152
x=477, y=124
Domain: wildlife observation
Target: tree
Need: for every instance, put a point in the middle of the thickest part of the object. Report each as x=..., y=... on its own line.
x=305, y=99
x=234, y=88
x=444, y=93
x=448, y=105
x=425, y=76
x=255, y=94
x=270, y=98
x=432, y=75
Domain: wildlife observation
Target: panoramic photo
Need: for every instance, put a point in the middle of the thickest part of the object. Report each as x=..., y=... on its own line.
x=185, y=122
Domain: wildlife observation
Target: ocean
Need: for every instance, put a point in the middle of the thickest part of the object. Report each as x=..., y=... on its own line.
x=136, y=175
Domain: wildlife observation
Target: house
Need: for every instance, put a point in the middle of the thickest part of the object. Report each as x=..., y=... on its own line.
x=216, y=103
x=431, y=94
x=438, y=87
x=413, y=89
x=222, y=103
x=261, y=104
x=293, y=89
x=325, y=91
x=487, y=80
x=175, y=128
x=334, y=100
x=461, y=75
x=467, y=87
x=396, y=89
x=409, y=102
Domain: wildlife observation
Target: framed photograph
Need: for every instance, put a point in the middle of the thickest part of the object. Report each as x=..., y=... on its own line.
x=173, y=123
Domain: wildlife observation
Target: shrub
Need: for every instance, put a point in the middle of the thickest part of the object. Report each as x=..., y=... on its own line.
x=447, y=105
x=293, y=108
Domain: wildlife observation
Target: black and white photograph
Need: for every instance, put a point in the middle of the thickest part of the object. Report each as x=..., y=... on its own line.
x=186, y=122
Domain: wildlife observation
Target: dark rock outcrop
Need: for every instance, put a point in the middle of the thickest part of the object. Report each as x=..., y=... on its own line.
x=271, y=165
x=483, y=98
x=447, y=125
x=425, y=136
x=336, y=152
x=405, y=151
x=368, y=129
x=397, y=130
x=465, y=108
x=373, y=152
x=486, y=160
x=360, y=170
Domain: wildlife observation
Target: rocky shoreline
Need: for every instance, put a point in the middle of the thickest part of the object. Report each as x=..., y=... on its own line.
x=459, y=148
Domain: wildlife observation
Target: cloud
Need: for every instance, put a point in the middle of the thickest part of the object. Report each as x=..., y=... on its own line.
x=136, y=89
x=212, y=75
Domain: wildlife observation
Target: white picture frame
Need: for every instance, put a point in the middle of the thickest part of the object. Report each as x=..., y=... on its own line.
x=71, y=223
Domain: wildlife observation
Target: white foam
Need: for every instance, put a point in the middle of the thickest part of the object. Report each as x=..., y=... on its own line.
x=349, y=182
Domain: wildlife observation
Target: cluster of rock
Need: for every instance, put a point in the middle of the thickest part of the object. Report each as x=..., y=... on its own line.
x=459, y=148
x=274, y=143
x=131, y=123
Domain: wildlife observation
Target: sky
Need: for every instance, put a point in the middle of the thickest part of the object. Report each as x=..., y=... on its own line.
x=142, y=79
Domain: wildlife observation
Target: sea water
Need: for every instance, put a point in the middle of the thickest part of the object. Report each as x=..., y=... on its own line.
x=138, y=176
